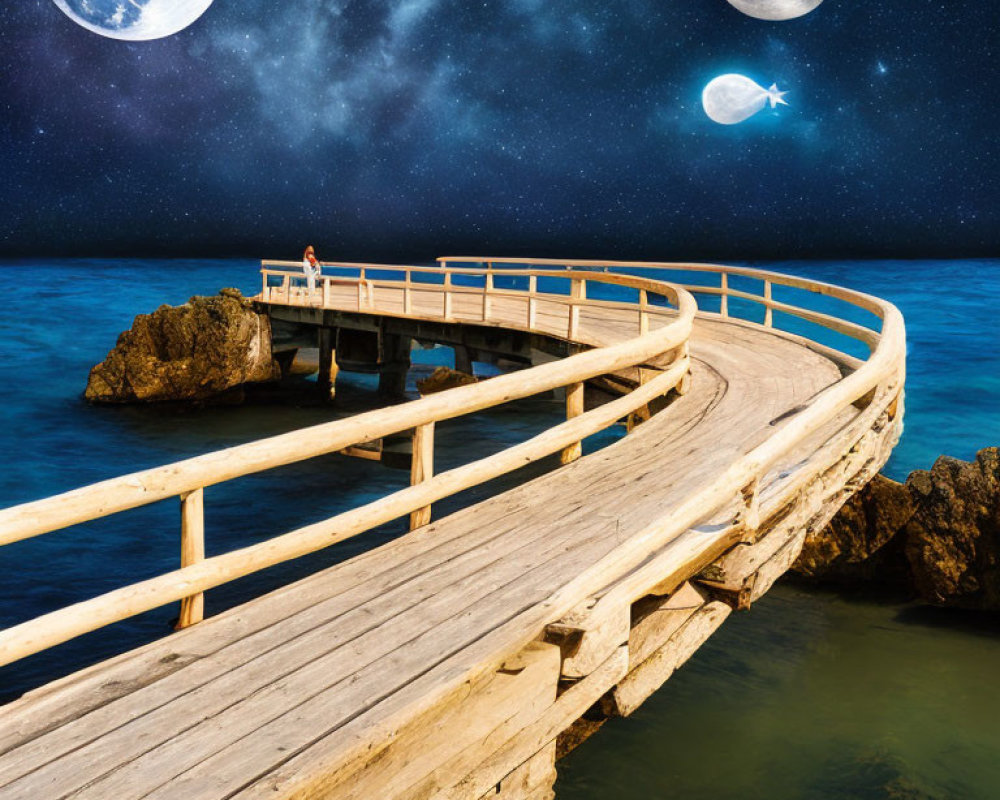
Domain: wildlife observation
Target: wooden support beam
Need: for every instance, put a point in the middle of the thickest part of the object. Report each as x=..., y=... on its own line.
x=587, y=639
x=192, y=552
x=533, y=780
x=440, y=747
x=768, y=309
x=748, y=517
x=422, y=469
x=394, y=364
x=574, y=408
x=656, y=619
x=573, y=702
x=327, y=377
x=647, y=677
x=463, y=359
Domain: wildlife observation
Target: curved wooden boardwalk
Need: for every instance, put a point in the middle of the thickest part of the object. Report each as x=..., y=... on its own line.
x=447, y=662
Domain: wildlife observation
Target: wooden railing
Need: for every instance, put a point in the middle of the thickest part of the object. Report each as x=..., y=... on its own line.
x=283, y=282
x=666, y=343
x=879, y=377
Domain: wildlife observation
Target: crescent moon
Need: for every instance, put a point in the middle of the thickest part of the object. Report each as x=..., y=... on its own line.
x=157, y=19
x=775, y=10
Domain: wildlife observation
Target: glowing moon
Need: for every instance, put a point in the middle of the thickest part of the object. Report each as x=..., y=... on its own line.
x=731, y=99
x=775, y=9
x=134, y=20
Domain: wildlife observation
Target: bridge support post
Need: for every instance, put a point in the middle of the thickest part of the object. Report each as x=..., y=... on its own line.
x=394, y=363
x=463, y=359
x=574, y=408
x=328, y=369
x=192, y=552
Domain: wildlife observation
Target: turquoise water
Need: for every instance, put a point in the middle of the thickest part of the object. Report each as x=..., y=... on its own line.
x=810, y=695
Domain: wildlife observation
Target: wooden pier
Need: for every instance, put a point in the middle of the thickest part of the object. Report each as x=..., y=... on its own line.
x=450, y=662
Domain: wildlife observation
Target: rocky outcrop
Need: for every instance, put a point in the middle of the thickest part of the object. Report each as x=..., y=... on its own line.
x=444, y=378
x=953, y=538
x=938, y=535
x=859, y=543
x=209, y=348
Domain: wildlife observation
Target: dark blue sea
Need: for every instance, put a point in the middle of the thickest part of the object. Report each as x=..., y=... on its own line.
x=811, y=695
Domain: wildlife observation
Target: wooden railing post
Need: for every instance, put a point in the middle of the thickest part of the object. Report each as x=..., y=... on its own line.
x=577, y=292
x=486, y=292
x=532, y=303
x=643, y=313
x=574, y=408
x=422, y=469
x=447, y=295
x=265, y=294
x=408, y=294
x=286, y=288
x=361, y=288
x=724, y=301
x=192, y=552
x=326, y=292
x=768, y=311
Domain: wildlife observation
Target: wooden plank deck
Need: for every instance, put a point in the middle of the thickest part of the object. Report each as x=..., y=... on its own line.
x=282, y=697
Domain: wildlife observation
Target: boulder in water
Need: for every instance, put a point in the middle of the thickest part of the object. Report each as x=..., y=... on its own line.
x=444, y=378
x=192, y=353
x=938, y=535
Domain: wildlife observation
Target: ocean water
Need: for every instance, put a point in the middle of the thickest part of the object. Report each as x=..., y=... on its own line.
x=810, y=695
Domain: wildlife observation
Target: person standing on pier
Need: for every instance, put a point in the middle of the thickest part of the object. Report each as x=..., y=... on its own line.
x=311, y=267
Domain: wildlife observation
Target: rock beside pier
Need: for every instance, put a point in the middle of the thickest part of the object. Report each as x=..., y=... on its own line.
x=444, y=378
x=937, y=534
x=201, y=351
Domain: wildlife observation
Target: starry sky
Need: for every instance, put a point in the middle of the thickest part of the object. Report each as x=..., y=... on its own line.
x=406, y=129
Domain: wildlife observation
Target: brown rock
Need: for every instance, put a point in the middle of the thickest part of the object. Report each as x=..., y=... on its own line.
x=444, y=378
x=855, y=546
x=953, y=539
x=938, y=534
x=193, y=352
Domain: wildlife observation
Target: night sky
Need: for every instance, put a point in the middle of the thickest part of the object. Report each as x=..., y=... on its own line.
x=406, y=129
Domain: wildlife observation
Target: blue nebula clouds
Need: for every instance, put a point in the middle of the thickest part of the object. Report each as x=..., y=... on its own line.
x=404, y=129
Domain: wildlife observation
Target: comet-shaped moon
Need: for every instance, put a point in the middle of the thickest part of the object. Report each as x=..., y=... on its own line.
x=775, y=9
x=134, y=20
x=730, y=99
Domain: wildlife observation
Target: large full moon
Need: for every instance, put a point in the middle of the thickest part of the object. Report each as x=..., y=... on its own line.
x=775, y=9
x=134, y=20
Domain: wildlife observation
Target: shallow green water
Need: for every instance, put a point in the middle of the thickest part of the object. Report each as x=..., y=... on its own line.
x=813, y=695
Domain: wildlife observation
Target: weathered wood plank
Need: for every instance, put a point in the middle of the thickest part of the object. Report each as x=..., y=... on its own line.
x=453, y=737
x=572, y=703
x=648, y=676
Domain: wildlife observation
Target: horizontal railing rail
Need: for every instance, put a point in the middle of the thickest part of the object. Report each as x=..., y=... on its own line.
x=188, y=479
x=290, y=291
x=769, y=279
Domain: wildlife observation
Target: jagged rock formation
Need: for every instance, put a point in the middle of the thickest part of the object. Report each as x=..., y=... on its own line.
x=938, y=535
x=200, y=351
